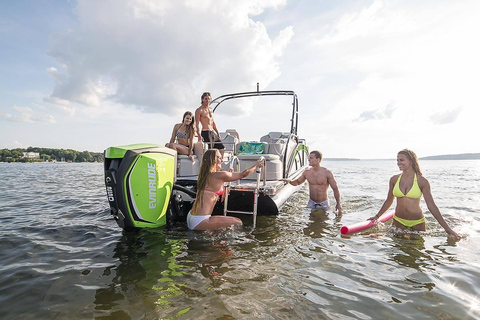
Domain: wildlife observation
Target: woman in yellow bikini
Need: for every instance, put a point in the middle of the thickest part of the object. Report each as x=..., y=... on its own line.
x=408, y=187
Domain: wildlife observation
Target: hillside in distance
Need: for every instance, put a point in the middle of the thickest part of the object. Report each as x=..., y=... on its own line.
x=462, y=156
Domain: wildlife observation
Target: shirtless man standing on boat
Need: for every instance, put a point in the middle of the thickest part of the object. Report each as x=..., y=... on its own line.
x=319, y=179
x=209, y=133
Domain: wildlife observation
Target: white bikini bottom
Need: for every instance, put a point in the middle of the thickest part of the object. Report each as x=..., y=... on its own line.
x=194, y=220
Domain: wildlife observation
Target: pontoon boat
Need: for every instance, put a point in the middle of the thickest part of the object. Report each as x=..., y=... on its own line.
x=150, y=186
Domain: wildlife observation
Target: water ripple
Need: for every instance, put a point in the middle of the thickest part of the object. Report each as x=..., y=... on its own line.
x=62, y=254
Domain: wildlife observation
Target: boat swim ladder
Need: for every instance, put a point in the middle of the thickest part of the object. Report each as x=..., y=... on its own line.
x=261, y=172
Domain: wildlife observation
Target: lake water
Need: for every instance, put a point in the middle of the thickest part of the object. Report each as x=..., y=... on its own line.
x=62, y=256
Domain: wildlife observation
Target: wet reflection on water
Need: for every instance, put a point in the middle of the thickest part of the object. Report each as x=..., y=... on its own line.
x=410, y=251
x=63, y=256
x=319, y=222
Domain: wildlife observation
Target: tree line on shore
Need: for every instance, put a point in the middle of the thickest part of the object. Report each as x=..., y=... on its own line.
x=48, y=154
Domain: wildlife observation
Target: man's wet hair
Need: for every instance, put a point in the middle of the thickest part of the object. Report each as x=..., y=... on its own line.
x=317, y=154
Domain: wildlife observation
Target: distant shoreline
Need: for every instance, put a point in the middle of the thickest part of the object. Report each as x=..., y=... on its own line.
x=462, y=156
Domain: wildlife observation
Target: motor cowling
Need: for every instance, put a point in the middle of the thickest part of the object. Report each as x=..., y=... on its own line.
x=139, y=180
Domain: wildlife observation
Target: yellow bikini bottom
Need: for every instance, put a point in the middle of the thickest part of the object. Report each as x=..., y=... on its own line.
x=409, y=223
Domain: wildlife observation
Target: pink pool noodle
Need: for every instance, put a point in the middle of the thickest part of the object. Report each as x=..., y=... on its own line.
x=362, y=225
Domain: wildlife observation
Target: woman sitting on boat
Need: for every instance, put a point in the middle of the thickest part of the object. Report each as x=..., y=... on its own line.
x=210, y=187
x=184, y=133
x=408, y=187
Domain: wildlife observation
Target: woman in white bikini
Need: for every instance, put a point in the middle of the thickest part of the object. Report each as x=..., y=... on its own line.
x=210, y=188
x=183, y=133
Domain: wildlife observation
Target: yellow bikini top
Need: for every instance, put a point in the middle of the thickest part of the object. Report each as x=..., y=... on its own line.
x=414, y=192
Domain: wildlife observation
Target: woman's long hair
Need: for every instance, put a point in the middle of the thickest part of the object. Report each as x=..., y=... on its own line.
x=206, y=168
x=412, y=157
x=190, y=129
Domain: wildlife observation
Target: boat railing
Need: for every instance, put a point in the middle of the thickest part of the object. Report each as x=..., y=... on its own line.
x=261, y=175
x=228, y=138
x=234, y=165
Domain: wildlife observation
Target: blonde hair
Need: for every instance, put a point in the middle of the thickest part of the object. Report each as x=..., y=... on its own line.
x=206, y=168
x=412, y=157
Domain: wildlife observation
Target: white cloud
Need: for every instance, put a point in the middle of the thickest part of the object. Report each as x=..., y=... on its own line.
x=27, y=115
x=282, y=41
x=379, y=19
x=64, y=106
x=144, y=55
x=421, y=55
x=399, y=52
x=21, y=114
x=363, y=71
x=383, y=113
x=446, y=117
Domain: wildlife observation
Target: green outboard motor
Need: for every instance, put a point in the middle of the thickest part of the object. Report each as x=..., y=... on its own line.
x=139, y=179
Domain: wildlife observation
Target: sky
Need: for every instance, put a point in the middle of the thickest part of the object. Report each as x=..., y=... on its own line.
x=372, y=76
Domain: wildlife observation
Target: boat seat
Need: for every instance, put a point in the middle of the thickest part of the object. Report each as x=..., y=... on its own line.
x=274, y=136
x=185, y=167
x=234, y=133
x=230, y=139
x=278, y=146
x=277, y=135
x=276, y=142
x=249, y=152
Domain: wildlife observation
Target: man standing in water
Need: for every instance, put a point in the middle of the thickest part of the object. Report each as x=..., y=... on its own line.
x=319, y=179
x=209, y=133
